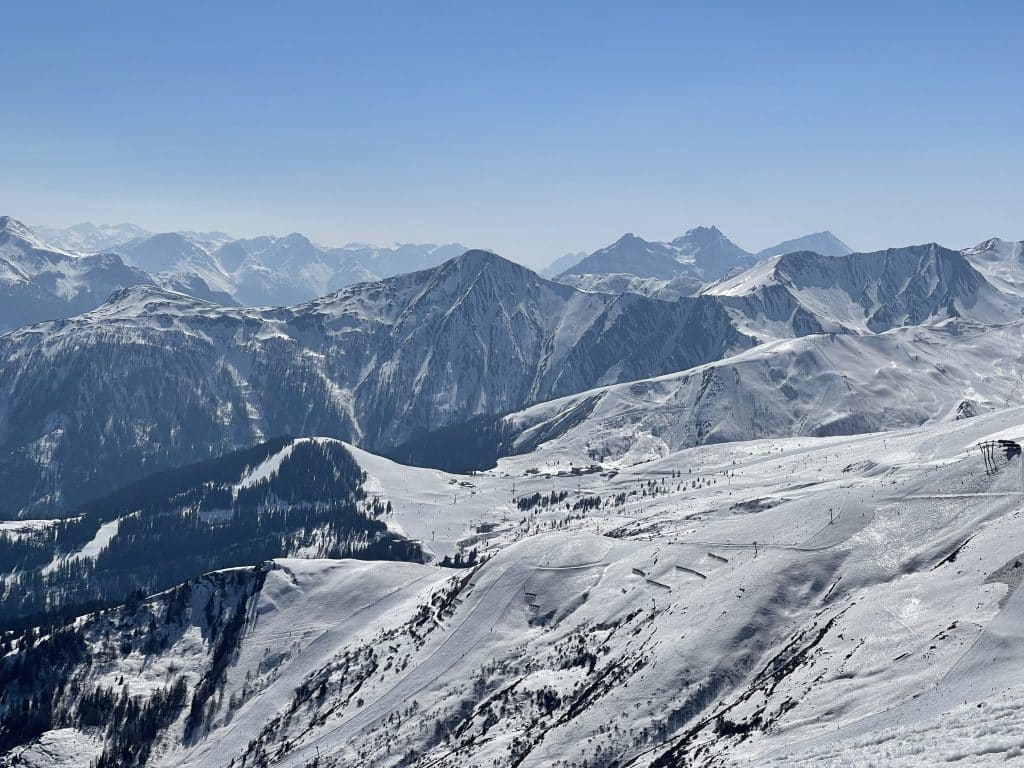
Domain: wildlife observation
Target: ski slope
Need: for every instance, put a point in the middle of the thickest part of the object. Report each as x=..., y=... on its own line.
x=811, y=592
x=805, y=601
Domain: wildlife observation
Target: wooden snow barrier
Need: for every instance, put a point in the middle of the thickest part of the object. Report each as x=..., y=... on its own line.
x=691, y=571
x=531, y=600
x=719, y=558
x=659, y=584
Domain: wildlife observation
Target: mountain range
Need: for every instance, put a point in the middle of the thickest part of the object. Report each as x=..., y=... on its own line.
x=38, y=283
x=259, y=271
x=277, y=271
x=741, y=520
x=680, y=267
x=374, y=363
x=54, y=273
x=382, y=363
x=703, y=253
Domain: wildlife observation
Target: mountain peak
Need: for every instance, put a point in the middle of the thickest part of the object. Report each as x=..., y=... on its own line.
x=477, y=258
x=146, y=299
x=711, y=252
x=630, y=243
x=824, y=242
x=296, y=239
x=168, y=252
x=993, y=243
x=169, y=237
x=702, y=230
x=705, y=237
x=629, y=237
x=632, y=255
x=12, y=229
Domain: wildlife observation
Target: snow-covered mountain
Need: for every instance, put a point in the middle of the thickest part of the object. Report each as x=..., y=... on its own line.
x=851, y=344
x=285, y=497
x=380, y=364
x=612, y=282
x=665, y=270
x=258, y=271
x=824, y=243
x=289, y=270
x=703, y=254
x=170, y=253
x=747, y=527
x=801, y=602
x=562, y=264
x=277, y=271
x=38, y=283
x=817, y=385
x=1001, y=262
x=635, y=256
x=800, y=293
x=86, y=238
x=710, y=253
x=374, y=363
x=387, y=262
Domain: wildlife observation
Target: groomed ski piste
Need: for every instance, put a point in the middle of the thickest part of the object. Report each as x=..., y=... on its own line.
x=808, y=601
x=836, y=601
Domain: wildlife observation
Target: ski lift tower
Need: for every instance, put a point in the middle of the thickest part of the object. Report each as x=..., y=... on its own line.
x=990, y=450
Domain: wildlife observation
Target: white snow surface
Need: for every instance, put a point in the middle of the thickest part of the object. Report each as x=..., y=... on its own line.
x=845, y=596
x=91, y=549
x=878, y=608
x=815, y=385
x=1001, y=262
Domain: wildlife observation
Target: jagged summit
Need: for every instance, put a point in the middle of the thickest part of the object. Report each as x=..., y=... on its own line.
x=806, y=292
x=701, y=232
x=705, y=237
x=711, y=252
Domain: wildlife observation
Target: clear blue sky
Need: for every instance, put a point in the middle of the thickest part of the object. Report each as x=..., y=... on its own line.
x=530, y=128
